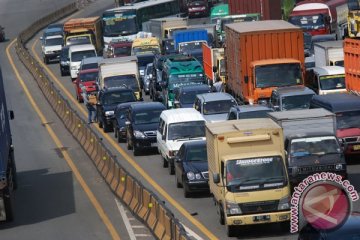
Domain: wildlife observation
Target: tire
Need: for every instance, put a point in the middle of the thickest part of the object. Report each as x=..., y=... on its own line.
x=165, y=163
x=221, y=215
x=100, y=123
x=171, y=168
x=285, y=226
x=187, y=193
x=62, y=73
x=106, y=128
x=119, y=140
x=46, y=60
x=178, y=184
x=231, y=230
x=128, y=146
x=115, y=132
x=14, y=173
x=136, y=150
x=8, y=205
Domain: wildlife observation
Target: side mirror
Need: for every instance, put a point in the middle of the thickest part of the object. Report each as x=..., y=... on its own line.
x=127, y=123
x=246, y=79
x=11, y=115
x=216, y=178
x=215, y=69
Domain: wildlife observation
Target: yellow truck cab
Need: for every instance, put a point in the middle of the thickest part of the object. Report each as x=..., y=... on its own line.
x=247, y=172
x=145, y=45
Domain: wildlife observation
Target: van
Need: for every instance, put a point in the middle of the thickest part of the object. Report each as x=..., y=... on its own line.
x=177, y=126
x=325, y=80
x=78, y=53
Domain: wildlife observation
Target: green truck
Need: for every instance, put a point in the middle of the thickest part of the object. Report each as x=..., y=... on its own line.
x=179, y=70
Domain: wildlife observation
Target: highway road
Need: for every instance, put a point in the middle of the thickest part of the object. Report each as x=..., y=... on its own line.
x=60, y=193
x=197, y=213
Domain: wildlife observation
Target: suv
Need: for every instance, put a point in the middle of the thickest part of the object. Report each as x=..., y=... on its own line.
x=90, y=63
x=142, y=122
x=185, y=95
x=87, y=79
x=64, y=61
x=214, y=106
x=51, y=47
x=107, y=101
x=248, y=111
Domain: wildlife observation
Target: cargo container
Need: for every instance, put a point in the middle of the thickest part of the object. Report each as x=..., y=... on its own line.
x=164, y=27
x=268, y=9
x=261, y=56
x=329, y=53
x=214, y=65
x=8, y=181
x=352, y=65
x=189, y=36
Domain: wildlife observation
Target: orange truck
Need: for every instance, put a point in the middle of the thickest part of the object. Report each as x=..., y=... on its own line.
x=84, y=31
x=214, y=63
x=352, y=65
x=261, y=56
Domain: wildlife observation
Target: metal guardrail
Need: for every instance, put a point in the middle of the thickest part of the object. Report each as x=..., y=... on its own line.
x=145, y=204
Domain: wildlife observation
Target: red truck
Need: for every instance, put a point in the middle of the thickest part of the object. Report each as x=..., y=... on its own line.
x=320, y=16
x=268, y=9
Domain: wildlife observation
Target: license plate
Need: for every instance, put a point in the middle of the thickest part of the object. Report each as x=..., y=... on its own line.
x=356, y=147
x=261, y=218
x=154, y=144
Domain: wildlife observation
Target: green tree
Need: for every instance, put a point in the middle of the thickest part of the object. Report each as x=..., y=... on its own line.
x=287, y=6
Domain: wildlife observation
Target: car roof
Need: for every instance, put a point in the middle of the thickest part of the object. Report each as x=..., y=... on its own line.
x=126, y=105
x=145, y=55
x=81, y=47
x=214, y=96
x=91, y=60
x=89, y=70
x=310, y=134
x=147, y=106
x=194, y=87
x=252, y=108
x=293, y=90
x=181, y=115
x=337, y=102
x=301, y=114
x=52, y=30
x=117, y=89
x=199, y=143
x=53, y=36
x=329, y=70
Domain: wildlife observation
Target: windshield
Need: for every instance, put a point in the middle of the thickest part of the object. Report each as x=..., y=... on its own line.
x=89, y=66
x=189, y=96
x=190, y=46
x=86, y=77
x=143, y=50
x=145, y=60
x=121, y=26
x=185, y=79
x=148, y=117
x=54, y=41
x=196, y=154
x=346, y=120
x=255, y=173
x=78, y=40
x=119, y=81
x=314, y=146
x=222, y=67
x=339, y=63
x=254, y=114
x=278, y=75
x=122, y=51
x=296, y=102
x=80, y=55
x=332, y=82
x=186, y=130
x=308, y=22
x=218, y=107
x=119, y=97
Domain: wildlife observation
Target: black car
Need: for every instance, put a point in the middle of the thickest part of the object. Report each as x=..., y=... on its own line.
x=154, y=85
x=191, y=167
x=141, y=125
x=143, y=60
x=248, y=111
x=168, y=46
x=107, y=101
x=185, y=95
x=2, y=34
x=119, y=120
x=64, y=61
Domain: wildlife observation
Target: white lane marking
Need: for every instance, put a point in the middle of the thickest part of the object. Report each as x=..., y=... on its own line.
x=126, y=220
x=192, y=233
x=138, y=226
x=143, y=235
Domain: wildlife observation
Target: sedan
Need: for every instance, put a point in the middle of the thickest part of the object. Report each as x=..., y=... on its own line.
x=87, y=79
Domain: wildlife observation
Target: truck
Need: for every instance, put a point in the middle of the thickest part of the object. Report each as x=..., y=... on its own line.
x=320, y=17
x=191, y=35
x=353, y=19
x=268, y=9
x=219, y=11
x=84, y=31
x=164, y=27
x=118, y=48
x=351, y=63
x=118, y=72
x=261, y=56
x=213, y=37
x=214, y=63
x=310, y=143
x=247, y=172
x=8, y=180
x=145, y=45
x=330, y=53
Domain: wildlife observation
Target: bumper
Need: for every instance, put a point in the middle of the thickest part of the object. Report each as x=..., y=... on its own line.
x=249, y=219
x=74, y=73
x=145, y=143
x=52, y=55
x=197, y=186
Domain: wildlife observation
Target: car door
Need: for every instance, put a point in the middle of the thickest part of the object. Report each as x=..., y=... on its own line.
x=159, y=137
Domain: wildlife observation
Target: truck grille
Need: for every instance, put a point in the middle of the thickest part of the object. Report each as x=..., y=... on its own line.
x=352, y=139
x=150, y=133
x=205, y=175
x=259, y=207
x=310, y=169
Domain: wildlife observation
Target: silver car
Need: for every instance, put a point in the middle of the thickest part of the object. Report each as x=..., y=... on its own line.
x=147, y=78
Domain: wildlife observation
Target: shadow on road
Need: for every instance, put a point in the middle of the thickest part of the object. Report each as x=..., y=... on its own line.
x=42, y=196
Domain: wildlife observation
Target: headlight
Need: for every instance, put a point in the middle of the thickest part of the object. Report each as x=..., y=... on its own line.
x=198, y=176
x=284, y=203
x=139, y=134
x=73, y=68
x=190, y=176
x=109, y=113
x=339, y=167
x=232, y=208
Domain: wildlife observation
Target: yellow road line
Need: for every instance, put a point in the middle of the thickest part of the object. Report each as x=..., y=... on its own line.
x=131, y=161
x=67, y=157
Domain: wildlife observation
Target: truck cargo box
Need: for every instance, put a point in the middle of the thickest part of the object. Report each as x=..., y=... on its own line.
x=189, y=36
x=268, y=9
x=352, y=65
x=330, y=53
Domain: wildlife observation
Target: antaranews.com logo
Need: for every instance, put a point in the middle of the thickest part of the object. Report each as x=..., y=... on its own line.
x=324, y=200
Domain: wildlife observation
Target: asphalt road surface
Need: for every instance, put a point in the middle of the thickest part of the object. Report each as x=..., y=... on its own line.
x=198, y=213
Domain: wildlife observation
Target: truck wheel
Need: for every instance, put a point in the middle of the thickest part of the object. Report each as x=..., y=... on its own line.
x=285, y=226
x=165, y=163
x=119, y=140
x=221, y=215
x=230, y=231
x=62, y=72
x=14, y=174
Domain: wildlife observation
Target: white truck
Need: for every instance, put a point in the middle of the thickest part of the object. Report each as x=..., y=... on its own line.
x=164, y=27
x=51, y=47
x=120, y=72
x=329, y=53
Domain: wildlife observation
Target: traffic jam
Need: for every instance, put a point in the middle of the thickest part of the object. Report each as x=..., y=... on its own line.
x=257, y=107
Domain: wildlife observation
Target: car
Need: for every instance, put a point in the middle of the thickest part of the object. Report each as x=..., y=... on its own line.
x=119, y=120
x=55, y=25
x=64, y=61
x=148, y=75
x=89, y=63
x=214, y=106
x=248, y=111
x=107, y=100
x=86, y=78
x=141, y=125
x=185, y=95
x=347, y=231
x=191, y=168
x=2, y=34
x=51, y=47
x=51, y=32
x=118, y=48
x=176, y=127
x=198, y=8
x=143, y=61
x=154, y=85
x=78, y=53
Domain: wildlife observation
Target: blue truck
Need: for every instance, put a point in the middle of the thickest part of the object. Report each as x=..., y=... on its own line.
x=8, y=181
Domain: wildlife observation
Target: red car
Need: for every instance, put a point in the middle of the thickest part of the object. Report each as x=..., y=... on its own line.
x=198, y=8
x=119, y=49
x=86, y=78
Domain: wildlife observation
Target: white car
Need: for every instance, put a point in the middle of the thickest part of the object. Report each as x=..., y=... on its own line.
x=176, y=127
x=51, y=47
x=78, y=53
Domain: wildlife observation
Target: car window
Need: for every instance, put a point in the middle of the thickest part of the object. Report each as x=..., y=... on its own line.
x=196, y=154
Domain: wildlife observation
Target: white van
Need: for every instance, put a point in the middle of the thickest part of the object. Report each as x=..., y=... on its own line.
x=176, y=127
x=76, y=54
x=51, y=47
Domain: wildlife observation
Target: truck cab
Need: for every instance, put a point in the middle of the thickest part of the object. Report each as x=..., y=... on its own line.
x=145, y=45
x=326, y=80
x=118, y=48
